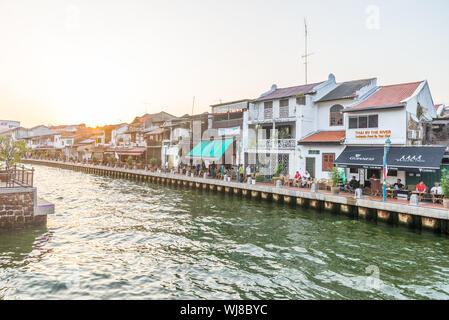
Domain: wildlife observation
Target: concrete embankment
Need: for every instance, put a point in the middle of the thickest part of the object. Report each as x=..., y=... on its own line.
x=393, y=213
x=20, y=207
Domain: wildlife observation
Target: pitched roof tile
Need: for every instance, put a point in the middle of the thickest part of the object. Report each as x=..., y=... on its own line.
x=288, y=92
x=324, y=136
x=392, y=95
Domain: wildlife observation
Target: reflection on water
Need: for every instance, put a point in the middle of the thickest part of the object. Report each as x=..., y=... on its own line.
x=113, y=239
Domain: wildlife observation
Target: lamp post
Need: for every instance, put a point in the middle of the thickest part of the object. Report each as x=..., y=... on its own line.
x=384, y=170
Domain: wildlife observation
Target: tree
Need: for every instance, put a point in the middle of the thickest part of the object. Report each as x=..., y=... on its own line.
x=11, y=152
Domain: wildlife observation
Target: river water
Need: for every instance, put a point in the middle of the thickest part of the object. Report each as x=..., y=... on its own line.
x=119, y=239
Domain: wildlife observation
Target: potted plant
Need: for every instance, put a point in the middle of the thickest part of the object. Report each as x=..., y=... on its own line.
x=260, y=178
x=335, y=177
x=129, y=162
x=153, y=164
x=444, y=182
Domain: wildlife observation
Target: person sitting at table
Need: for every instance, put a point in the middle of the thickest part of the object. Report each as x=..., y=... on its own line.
x=354, y=184
x=437, y=193
x=421, y=189
x=436, y=189
x=305, y=179
x=398, y=185
x=297, y=179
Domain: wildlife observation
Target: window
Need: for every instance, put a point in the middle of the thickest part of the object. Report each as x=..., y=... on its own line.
x=268, y=104
x=314, y=151
x=352, y=122
x=353, y=170
x=336, y=115
x=373, y=121
x=392, y=173
x=283, y=108
x=283, y=103
x=328, y=161
x=363, y=122
x=301, y=100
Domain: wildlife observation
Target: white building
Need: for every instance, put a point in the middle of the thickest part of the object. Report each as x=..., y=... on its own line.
x=396, y=112
x=119, y=137
x=8, y=124
x=281, y=117
x=320, y=147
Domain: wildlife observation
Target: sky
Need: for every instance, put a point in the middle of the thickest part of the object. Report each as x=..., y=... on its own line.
x=105, y=62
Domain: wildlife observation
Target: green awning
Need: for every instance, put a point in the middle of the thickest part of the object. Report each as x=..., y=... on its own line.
x=211, y=150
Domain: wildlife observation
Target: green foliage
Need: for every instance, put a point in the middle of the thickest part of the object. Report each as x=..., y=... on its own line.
x=260, y=178
x=11, y=152
x=153, y=162
x=129, y=160
x=279, y=168
x=94, y=160
x=444, y=182
x=335, y=176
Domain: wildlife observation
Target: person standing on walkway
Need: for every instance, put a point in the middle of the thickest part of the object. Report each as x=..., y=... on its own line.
x=248, y=173
x=241, y=171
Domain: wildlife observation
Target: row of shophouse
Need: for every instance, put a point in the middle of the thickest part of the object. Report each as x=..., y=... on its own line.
x=311, y=127
x=317, y=126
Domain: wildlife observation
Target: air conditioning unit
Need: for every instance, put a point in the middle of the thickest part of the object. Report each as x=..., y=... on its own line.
x=414, y=134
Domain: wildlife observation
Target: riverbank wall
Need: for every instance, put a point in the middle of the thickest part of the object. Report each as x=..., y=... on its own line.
x=418, y=218
x=19, y=208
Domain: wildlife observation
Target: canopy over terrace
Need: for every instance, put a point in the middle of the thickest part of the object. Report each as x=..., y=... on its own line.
x=136, y=151
x=211, y=151
x=410, y=159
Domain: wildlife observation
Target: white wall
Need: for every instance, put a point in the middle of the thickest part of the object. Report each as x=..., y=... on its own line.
x=319, y=173
x=322, y=114
x=393, y=120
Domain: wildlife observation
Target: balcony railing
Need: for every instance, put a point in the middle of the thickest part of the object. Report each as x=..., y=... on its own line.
x=15, y=177
x=228, y=123
x=274, y=144
x=268, y=114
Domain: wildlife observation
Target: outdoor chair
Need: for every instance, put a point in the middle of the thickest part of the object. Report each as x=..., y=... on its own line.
x=322, y=183
x=286, y=180
x=437, y=198
x=376, y=189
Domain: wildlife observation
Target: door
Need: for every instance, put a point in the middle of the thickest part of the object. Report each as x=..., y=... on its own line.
x=310, y=166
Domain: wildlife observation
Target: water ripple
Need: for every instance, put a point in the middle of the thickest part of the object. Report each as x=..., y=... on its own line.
x=118, y=239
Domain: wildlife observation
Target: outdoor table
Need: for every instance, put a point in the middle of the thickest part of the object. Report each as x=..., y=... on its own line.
x=419, y=194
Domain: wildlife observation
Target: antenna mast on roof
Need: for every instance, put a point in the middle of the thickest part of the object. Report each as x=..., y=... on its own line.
x=193, y=105
x=306, y=53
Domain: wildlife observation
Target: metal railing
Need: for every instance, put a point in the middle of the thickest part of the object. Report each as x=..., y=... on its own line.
x=275, y=144
x=16, y=176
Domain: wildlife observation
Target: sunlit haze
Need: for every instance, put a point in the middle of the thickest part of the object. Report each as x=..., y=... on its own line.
x=105, y=62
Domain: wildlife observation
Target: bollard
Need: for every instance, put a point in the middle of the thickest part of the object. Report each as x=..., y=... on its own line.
x=278, y=183
x=414, y=201
x=358, y=194
x=313, y=187
x=205, y=175
x=250, y=180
